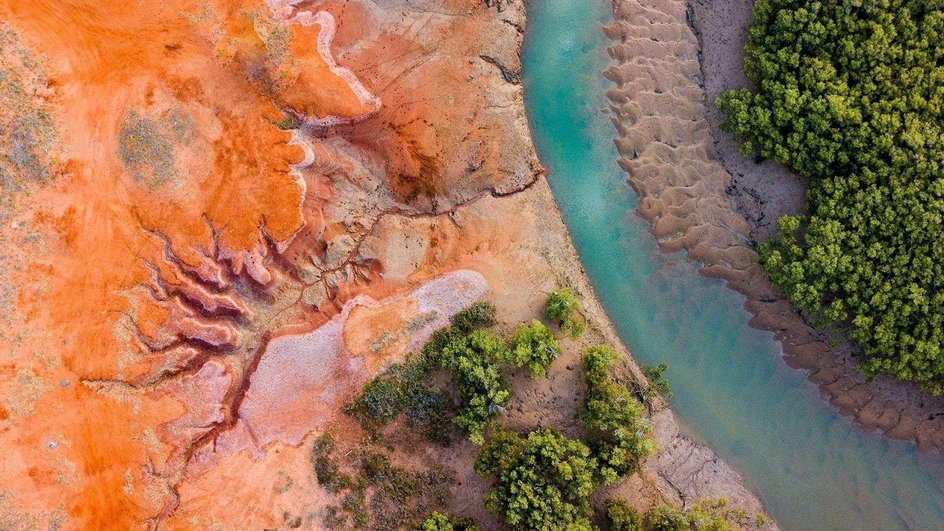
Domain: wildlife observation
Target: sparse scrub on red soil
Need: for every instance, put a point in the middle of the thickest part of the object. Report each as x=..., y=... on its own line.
x=147, y=146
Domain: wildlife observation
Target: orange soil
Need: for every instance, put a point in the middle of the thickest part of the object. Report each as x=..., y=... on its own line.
x=181, y=229
x=100, y=223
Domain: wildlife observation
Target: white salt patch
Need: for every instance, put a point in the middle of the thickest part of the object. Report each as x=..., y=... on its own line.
x=303, y=379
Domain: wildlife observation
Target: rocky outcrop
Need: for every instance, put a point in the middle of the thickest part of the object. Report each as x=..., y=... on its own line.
x=699, y=194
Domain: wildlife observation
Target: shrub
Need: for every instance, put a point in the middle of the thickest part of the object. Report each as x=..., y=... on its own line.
x=613, y=417
x=849, y=95
x=703, y=515
x=381, y=400
x=560, y=305
x=429, y=412
x=480, y=315
x=441, y=522
x=574, y=326
x=474, y=361
x=657, y=382
x=403, y=387
x=621, y=517
x=662, y=518
x=544, y=480
x=562, y=308
x=533, y=346
x=432, y=350
x=326, y=471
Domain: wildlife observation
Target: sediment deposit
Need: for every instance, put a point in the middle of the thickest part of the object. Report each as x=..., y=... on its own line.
x=221, y=218
x=699, y=194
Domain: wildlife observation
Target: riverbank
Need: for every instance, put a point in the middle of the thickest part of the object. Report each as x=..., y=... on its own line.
x=700, y=195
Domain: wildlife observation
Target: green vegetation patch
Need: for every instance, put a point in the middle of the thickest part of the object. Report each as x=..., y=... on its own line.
x=563, y=308
x=404, y=388
x=474, y=360
x=376, y=494
x=614, y=418
x=28, y=135
x=326, y=469
x=621, y=517
x=441, y=522
x=480, y=315
x=533, y=346
x=658, y=385
x=703, y=515
x=851, y=94
x=544, y=480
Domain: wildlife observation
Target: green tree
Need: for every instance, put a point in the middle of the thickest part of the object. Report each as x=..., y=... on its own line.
x=848, y=93
x=562, y=307
x=560, y=304
x=543, y=480
x=441, y=522
x=474, y=362
x=613, y=417
x=480, y=315
x=658, y=385
x=621, y=517
x=533, y=346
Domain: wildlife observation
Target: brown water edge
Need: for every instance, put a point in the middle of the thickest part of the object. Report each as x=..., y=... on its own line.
x=699, y=194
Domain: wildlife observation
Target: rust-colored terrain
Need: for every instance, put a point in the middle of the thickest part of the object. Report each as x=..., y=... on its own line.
x=220, y=218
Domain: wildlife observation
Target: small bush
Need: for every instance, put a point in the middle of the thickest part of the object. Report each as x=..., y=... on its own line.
x=533, y=346
x=480, y=315
x=561, y=304
x=326, y=471
x=353, y=504
x=662, y=518
x=704, y=515
x=621, y=517
x=441, y=522
x=657, y=382
x=375, y=468
x=574, y=326
x=429, y=412
x=381, y=400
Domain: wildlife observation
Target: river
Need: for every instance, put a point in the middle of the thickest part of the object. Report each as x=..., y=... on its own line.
x=813, y=468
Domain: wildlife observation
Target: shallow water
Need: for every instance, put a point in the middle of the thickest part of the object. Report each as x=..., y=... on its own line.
x=812, y=468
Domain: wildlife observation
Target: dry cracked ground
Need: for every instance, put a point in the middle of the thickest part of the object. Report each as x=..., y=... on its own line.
x=220, y=218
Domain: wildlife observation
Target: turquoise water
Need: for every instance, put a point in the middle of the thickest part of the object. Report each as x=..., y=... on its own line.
x=813, y=468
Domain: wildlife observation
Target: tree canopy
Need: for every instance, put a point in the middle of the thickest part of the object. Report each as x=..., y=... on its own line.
x=619, y=433
x=442, y=522
x=563, y=308
x=850, y=93
x=533, y=346
x=544, y=480
x=474, y=361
